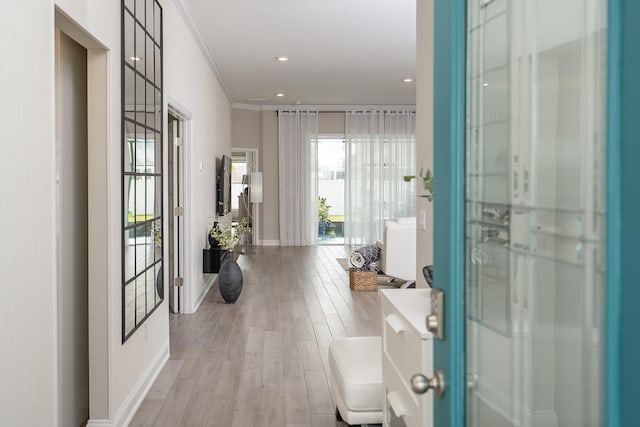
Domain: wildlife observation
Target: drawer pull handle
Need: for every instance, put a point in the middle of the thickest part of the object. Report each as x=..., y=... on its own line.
x=395, y=402
x=395, y=323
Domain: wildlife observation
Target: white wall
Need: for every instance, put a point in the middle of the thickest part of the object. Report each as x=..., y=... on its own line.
x=190, y=84
x=28, y=266
x=28, y=226
x=424, y=130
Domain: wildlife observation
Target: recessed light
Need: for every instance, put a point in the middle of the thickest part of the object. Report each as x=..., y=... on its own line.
x=485, y=84
x=135, y=58
x=280, y=95
x=407, y=80
x=282, y=58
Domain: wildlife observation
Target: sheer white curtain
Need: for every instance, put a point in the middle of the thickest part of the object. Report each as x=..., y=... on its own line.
x=399, y=160
x=298, y=150
x=380, y=150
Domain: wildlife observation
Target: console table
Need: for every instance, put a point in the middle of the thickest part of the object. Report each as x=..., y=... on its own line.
x=406, y=350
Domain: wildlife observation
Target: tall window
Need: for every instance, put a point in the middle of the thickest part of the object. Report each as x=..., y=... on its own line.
x=142, y=223
x=331, y=181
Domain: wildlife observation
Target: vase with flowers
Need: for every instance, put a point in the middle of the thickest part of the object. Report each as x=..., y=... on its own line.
x=227, y=238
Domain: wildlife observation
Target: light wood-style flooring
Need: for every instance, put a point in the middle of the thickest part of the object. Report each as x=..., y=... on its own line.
x=263, y=360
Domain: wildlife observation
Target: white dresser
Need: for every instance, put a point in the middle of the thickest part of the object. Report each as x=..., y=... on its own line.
x=406, y=351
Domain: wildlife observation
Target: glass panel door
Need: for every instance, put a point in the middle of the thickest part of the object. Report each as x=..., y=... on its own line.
x=534, y=209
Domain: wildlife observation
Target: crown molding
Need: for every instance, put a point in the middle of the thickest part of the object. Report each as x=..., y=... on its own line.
x=241, y=106
x=322, y=108
x=187, y=14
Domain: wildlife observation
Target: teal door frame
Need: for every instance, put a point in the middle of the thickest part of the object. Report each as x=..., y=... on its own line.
x=448, y=205
x=623, y=208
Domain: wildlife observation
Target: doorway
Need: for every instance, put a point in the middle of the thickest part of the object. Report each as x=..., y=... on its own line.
x=331, y=189
x=176, y=219
x=246, y=189
x=72, y=242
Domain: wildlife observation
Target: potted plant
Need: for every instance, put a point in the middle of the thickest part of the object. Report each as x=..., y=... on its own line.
x=230, y=276
x=427, y=182
x=323, y=216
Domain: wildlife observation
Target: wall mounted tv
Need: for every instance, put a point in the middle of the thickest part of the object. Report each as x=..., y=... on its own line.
x=223, y=185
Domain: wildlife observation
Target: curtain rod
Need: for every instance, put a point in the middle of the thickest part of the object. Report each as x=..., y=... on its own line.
x=357, y=110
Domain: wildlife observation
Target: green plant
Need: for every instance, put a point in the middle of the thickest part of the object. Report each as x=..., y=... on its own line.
x=323, y=212
x=427, y=182
x=227, y=235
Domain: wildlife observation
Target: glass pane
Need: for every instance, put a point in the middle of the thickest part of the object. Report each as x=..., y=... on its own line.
x=535, y=88
x=141, y=302
x=140, y=14
x=129, y=256
x=140, y=49
x=159, y=283
x=158, y=196
x=128, y=146
x=129, y=199
x=158, y=68
x=150, y=295
x=149, y=59
x=140, y=98
x=149, y=23
x=157, y=239
x=150, y=152
x=129, y=93
x=140, y=150
x=129, y=4
x=129, y=308
x=150, y=106
x=129, y=40
x=157, y=26
x=158, y=109
x=158, y=152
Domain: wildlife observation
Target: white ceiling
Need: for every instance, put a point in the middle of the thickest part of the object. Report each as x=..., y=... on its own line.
x=350, y=52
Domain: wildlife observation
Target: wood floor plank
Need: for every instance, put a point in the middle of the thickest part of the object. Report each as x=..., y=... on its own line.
x=262, y=361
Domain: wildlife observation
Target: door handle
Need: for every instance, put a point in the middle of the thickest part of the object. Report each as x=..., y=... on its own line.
x=421, y=384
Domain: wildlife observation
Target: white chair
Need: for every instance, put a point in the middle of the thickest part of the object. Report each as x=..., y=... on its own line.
x=398, y=250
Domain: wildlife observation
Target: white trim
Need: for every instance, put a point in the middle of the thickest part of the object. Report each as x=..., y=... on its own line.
x=203, y=294
x=268, y=242
x=185, y=117
x=241, y=106
x=100, y=423
x=320, y=108
x=136, y=396
x=187, y=14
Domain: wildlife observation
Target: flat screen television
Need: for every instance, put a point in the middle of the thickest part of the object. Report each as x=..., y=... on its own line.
x=223, y=186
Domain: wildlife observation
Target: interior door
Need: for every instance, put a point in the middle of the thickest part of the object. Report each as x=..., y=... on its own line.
x=176, y=219
x=520, y=211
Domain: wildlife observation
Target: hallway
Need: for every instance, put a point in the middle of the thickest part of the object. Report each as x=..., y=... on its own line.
x=263, y=360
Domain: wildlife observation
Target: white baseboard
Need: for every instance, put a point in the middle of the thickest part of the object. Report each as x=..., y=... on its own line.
x=136, y=396
x=203, y=294
x=269, y=243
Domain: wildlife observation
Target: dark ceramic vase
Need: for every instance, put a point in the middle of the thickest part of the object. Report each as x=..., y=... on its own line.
x=230, y=280
x=213, y=242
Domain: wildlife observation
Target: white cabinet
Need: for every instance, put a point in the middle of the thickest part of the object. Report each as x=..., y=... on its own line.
x=406, y=351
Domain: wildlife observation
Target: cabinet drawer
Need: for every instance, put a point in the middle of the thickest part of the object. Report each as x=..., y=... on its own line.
x=402, y=407
x=403, y=347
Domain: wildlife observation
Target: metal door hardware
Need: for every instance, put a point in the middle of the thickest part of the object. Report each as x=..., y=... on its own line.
x=421, y=384
x=435, y=320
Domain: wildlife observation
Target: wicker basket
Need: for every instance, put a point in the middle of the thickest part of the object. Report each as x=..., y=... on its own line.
x=363, y=280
